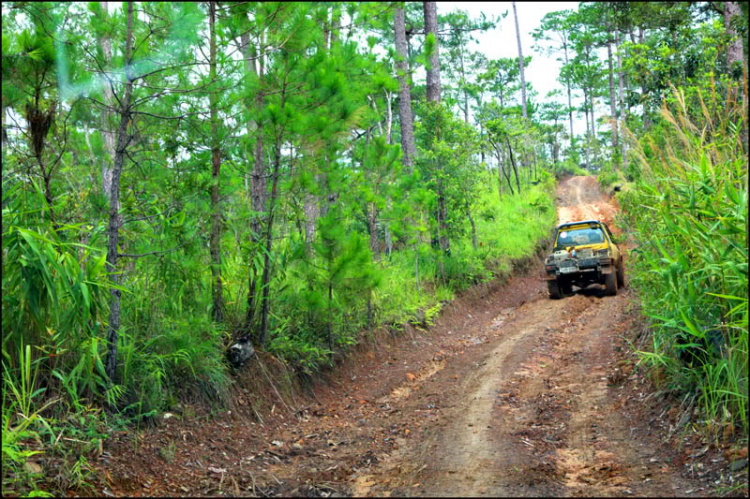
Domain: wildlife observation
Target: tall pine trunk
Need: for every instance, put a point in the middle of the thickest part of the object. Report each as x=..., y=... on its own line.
x=113, y=229
x=499, y=171
x=646, y=119
x=513, y=162
x=520, y=64
x=624, y=153
x=265, y=282
x=389, y=135
x=523, y=91
x=570, y=95
x=735, y=51
x=217, y=312
x=433, y=72
x=108, y=134
x=588, y=130
x=372, y=225
x=258, y=182
x=404, y=94
x=433, y=96
x=473, y=225
x=612, y=95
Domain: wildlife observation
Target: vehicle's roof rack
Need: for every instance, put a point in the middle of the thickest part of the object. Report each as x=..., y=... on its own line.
x=579, y=223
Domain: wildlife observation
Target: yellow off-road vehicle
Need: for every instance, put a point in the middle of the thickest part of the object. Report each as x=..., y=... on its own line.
x=584, y=253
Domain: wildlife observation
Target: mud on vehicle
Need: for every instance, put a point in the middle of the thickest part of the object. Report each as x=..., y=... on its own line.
x=584, y=253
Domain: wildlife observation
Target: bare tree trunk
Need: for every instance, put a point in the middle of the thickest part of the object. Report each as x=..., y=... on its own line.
x=389, y=136
x=258, y=174
x=113, y=229
x=481, y=146
x=372, y=217
x=555, y=151
x=646, y=119
x=433, y=72
x=330, y=316
x=388, y=117
x=506, y=171
x=588, y=130
x=621, y=98
x=404, y=94
x=513, y=162
x=466, y=107
x=217, y=312
x=499, y=172
x=387, y=231
x=612, y=95
x=433, y=95
x=311, y=215
x=473, y=225
x=106, y=117
x=592, y=104
x=5, y=133
x=523, y=92
x=735, y=51
x=570, y=97
x=269, y=238
x=520, y=64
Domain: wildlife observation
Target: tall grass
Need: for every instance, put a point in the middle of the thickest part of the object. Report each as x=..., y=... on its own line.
x=688, y=215
x=54, y=300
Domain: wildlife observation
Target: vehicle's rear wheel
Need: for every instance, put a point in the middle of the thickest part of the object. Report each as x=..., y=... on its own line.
x=620, y=276
x=610, y=282
x=554, y=290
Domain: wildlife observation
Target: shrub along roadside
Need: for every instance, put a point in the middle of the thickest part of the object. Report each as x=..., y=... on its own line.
x=687, y=212
x=408, y=287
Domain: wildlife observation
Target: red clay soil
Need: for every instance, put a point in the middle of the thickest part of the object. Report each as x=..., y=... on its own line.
x=509, y=393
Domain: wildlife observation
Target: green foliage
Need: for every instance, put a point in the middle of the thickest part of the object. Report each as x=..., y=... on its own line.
x=21, y=422
x=339, y=237
x=607, y=175
x=688, y=214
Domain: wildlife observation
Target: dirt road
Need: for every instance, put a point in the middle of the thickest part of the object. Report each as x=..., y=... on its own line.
x=508, y=394
x=536, y=416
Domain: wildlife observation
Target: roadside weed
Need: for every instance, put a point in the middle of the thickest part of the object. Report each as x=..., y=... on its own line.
x=688, y=215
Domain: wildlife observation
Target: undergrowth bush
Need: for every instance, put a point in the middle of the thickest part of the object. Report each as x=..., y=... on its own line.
x=406, y=283
x=688, y=215
x=55, y=304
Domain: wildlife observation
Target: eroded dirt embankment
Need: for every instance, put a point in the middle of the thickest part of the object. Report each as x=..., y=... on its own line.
x=509, y=394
